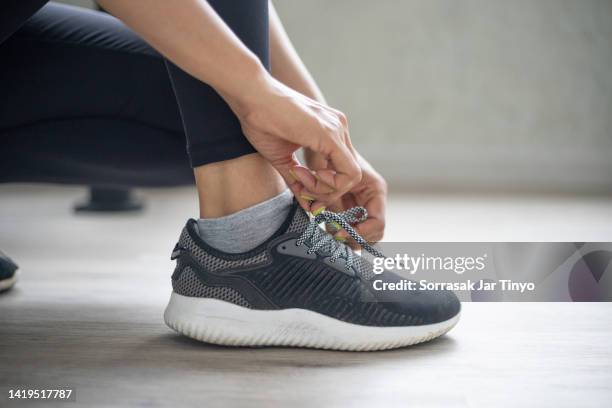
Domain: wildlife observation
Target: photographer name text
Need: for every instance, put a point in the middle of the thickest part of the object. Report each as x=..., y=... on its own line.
x=469, y=285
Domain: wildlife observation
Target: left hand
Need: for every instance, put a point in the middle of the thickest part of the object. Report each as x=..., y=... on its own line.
x=370, y=193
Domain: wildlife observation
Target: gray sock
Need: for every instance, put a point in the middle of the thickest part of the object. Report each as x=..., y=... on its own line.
x=244, y=230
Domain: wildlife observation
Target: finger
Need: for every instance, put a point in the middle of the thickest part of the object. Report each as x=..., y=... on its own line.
x=341, y=235
x=311, y=181
x=333, y=228
x=315, y=161
x=348, y=172
x=296, y=187
x=319, y=199
x=317, y=208
x=326, y=176
x=312, y=199
x=347, y=240
x=330, y=227
x=372, y=230
x=304, y=201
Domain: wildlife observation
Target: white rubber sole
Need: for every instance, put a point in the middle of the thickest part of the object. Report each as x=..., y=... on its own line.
x=6, y=284
x=218, y=322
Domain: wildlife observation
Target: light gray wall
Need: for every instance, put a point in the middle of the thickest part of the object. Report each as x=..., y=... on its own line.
x=468, y=93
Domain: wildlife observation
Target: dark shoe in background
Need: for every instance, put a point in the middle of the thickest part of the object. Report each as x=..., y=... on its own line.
x=110, y=199
x=8, y=272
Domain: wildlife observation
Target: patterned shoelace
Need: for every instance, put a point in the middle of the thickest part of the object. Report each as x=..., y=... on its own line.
x=321, y=240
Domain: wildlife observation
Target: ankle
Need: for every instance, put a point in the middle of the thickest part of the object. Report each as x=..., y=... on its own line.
x=246, y=229
x=230, y=186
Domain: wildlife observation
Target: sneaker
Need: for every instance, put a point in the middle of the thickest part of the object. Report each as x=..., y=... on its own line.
x=300, y=288
x=8, y=273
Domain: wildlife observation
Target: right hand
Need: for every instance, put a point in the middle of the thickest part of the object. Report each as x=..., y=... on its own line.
x=277, y=121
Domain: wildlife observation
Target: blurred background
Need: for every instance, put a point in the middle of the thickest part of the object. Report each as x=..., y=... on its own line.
x=491, y=120
x=471, y=94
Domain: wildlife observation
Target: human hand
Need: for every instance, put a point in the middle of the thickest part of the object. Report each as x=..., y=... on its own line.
x=370, y=193
x=277, y=121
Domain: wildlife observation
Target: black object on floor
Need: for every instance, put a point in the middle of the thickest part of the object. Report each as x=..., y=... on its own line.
x=107, y=199
x=7, y=272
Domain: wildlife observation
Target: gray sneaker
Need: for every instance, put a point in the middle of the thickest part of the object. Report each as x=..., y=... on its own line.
x=300, y=288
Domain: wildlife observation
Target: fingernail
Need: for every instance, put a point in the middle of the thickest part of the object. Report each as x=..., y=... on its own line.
x=318, y=211
x=339, y=238
x=307, y=197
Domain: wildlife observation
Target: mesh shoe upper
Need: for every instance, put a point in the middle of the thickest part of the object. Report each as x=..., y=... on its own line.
x=278, y=274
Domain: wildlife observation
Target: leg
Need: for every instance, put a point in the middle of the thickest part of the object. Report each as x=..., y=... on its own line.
x=230, y=186
x=105, y=113
x=230, y=175
x=85, y=101
x=13, y=13
x=298, y=286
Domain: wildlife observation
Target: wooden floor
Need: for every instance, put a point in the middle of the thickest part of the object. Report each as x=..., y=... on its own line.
x=87, y=314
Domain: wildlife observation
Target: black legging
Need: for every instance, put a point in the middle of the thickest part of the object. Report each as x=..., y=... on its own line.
x=83, y=100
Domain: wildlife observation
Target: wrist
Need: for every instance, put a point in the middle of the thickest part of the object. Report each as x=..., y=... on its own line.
x=247, y=86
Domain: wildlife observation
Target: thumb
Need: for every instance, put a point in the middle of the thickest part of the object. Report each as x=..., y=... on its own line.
x=285, y=169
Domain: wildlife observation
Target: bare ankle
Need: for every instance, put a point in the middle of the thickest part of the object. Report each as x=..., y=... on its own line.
x=233, y=185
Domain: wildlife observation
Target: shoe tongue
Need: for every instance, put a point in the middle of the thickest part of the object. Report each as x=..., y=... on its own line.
x=300, y=220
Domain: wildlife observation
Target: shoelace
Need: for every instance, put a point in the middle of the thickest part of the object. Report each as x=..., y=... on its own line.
x=320, y=239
